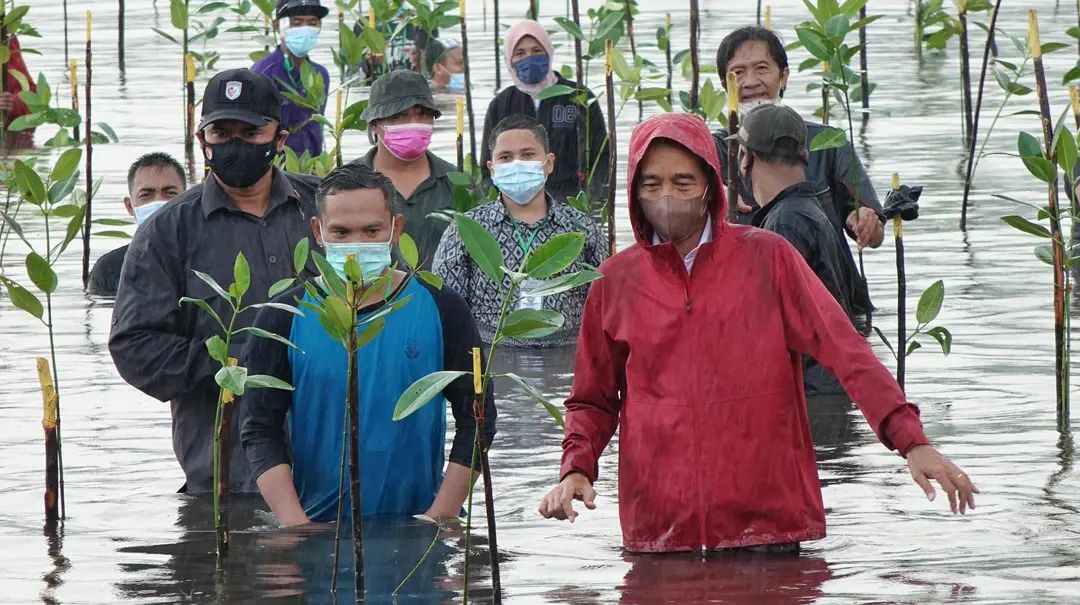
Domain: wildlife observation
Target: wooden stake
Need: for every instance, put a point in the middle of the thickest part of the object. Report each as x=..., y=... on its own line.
x=337, y=130
x=222, y=434
x=50, y=421
x=901, y=292
x=485, y=469
x=824, y=95
x=864, y=72
x=695, y=67
x=73, y=81
x=498, y=47
x=581, y=124
x=468, y=83
x=612, y=148
x=3, y=76
x=629, y=13
x=120, y=34
x=1061, y=337
x=733, y=148
x=965, y=70
x=352, y=399
x=65, y=32
x=768, y=17
x=189, y=113
x=88, y=216
x=1074, y=103
x=459, y=142
x=667, y=54
x=973, y=135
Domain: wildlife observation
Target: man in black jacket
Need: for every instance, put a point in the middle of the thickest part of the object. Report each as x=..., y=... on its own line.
x=245, y=205
x=773, y=141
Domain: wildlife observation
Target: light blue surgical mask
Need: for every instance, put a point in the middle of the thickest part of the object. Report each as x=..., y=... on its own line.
x=520, y=180
x=457, y=82
x=373, y=257
x=143, y=211
x=300, y=40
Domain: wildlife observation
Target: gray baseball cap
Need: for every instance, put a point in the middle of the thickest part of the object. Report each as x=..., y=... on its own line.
x=775, y=130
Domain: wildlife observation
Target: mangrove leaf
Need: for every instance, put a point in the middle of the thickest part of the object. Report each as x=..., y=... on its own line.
x=205, y=306
x=555, y=255
x=39, y=271
x=22, y=298
x=280, y=286
x=300, y=254
x=481, y=246
x=930, y=303
x=232, y=378
x=431, y=279
x=241, y=277
x=563, y=283
x=830, y=138
x=529, y=324
x=261, y=333
x=408, y=250
x=423, y=391
x=263, y=381
x=943, y=337
x=217, y=349
x=210, y=281
x=66, y=165
x=533, y=392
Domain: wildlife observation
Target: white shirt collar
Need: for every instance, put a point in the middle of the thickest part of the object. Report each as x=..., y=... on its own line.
x=706, y=236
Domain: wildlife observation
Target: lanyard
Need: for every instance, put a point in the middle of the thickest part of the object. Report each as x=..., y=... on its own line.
x=526, y=246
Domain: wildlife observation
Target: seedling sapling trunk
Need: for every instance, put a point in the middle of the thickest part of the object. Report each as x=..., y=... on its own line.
x=479, y=385
x=611, y=148
x=498, y=48
x=89, y=162
x=73, y=79
x=901, y=287
x=459, y=141
x=468, y=82
x=864, y=72
x=120, y=33
x=973, y=134
x=733, y=148
x=50, y=422
x=695, y=67
x=965, y=70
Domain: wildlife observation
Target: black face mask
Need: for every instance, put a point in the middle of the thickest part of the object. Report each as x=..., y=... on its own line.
x=239, y=163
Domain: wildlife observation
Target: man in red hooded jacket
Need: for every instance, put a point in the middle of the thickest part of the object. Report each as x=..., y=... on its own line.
x=692, y=343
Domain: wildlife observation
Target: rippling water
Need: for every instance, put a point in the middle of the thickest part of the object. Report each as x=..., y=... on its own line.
x=989, y=405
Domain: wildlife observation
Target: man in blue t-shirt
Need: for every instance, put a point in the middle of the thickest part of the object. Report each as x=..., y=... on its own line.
x=293, y=440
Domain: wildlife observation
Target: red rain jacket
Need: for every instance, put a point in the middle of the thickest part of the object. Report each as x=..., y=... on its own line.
x=703, y=371
x=16, y=63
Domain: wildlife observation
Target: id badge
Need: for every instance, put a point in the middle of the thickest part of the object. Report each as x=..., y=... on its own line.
x=531, y=302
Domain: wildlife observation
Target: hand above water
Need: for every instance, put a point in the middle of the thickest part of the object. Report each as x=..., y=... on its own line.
x=558, y=504
x=867, y=227
x=926, y=463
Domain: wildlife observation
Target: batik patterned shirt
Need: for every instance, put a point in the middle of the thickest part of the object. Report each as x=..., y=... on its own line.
x=517, y=239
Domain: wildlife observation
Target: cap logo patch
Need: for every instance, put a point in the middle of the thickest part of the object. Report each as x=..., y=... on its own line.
x=232, y=90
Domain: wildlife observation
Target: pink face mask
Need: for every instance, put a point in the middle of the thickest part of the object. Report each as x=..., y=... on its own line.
x=407, y=141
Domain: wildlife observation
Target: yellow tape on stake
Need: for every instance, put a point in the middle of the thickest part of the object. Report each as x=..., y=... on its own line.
x=49, y=402
x=227, y=395
x=460, y=116
x=89, y=19
x=607, y=57
x=1033, y=35
x=732, y=92
x=478, y=378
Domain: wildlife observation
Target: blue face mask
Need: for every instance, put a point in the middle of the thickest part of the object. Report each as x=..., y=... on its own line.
x=143, y=211
x=300, y=40
x=373, y=257
x=533, y=70
x=519, y=180
x=457, y=82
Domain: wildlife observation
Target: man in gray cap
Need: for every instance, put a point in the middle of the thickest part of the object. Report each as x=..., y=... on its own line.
x=773, y=149
x=244, y=205
x=401, y=116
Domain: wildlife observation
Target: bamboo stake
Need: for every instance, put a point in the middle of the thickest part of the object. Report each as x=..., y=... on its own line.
x=864, y=71
x=824, y=95
x=65, y=32
x=222, y=434
x=189, y=113
x=733, y=148
x=468, y=83
x=120, y=35
x=667, y=53
x=965, y=69
x=1078, y=22
x=901, y=292
x=485, y=469
x=73, y=80
x=87, y=217
x=498, y=49
x=352, y=400
x=975, y=116
x=581, y=125
x=3, y=75
x=1061, y=337
x=1074, y=103
x=768, y=17
x=459, y=142
x=50, y=421
x=337, y=131
x=759, y=13
x=341, y=42
x=918, y=29
x=628, y=4
x=695, y=67
x=612, y=147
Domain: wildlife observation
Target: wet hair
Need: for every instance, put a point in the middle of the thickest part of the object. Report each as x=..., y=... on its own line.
x=156, y=159
x=789, y=157
x=353, y=176
x=518, y=121
x=751, y=33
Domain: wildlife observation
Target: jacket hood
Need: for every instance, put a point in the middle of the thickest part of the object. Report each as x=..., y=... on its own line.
x=691, y=132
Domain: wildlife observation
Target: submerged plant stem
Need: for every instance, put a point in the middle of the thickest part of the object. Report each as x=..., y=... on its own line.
x=973, y=159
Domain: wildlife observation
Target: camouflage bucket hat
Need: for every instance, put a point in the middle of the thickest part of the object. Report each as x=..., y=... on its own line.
x=396, y=92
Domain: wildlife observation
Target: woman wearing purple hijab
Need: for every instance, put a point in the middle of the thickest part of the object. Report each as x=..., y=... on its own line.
x=530, y=58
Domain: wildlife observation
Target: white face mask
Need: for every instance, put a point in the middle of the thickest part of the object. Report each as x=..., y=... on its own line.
x=744, y=108
x=372, y=257
x=143, y=211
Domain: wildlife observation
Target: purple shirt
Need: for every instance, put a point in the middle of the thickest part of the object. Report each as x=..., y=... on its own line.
x=310, y=137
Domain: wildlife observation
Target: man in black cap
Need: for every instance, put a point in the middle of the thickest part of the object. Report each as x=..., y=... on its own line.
x=774, y=152
x=401, y=116
x=244, y=205
x=298, y=24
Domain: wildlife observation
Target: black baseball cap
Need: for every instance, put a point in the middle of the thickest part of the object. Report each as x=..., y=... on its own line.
x=773, y=129
x=240, y=94
x=289, y=8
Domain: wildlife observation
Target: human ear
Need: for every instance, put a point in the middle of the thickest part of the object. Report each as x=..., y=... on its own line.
x=316, y=229
x=127, y=206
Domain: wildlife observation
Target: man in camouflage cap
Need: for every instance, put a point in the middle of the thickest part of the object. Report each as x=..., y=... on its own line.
x=401, y=116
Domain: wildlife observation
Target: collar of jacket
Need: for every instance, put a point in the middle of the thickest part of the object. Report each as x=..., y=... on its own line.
x=667, y=256
x=798, y=190
x=214, y=197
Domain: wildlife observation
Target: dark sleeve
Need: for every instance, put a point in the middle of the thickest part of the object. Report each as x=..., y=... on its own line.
x=148, y=342
x=845, y=173
x=797, y=233
x=262, y=431
x=105, y=276
x=459, y=337
x=490, y=120
x=598, y=152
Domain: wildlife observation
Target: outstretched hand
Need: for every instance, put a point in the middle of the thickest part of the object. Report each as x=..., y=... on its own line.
x=558, y=504
x=926, y=463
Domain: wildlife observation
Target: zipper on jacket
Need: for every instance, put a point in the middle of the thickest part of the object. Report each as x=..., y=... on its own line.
x=686, y=297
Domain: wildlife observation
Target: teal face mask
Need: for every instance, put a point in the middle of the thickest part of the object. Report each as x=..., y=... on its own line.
x=143, y=211
x=519, y=180
x=300, y=40
x=373, y=257
x=457, y=82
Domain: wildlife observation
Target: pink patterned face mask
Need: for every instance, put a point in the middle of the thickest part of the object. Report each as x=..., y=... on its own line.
x=407, y=141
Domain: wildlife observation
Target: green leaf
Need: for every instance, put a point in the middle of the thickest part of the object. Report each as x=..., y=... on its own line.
x=432, y=280
x=1066, y=151
x=369, y=331
x=1050, y=47
x=29, y=183
x=1028, y=146
x=930, y=303
x=481, y=246
x=530, y=324
x=570, y=27
x=232, y=378
x=555, y=255
x=279, y=307
x=912, y=347
x=205, y=306
x=39, y=271
x=553, y=91
x=66, y=165
x=74, y=227
x=1045, y=253
x=261, y=333
x=830, y=138
x=815, y=42
x=107, y=222
x=241, y=277
x=1022, y=224
x=944, y=338
x=1071, y=75
x=1017, y=88
x=408, y=251
x=564, y=283
x=210, y=281
x=300, y=255
x=280, y=286
x=885, y=340
x=329, y=277
x=217, y=349
x=264, y=381
x=836, y=28
x=22, y=298
x=1041, y=168
x=179, y=13
x=113, y=233
x=165, y=35
x=532, y=391
x=339, y=313
x=421, y=392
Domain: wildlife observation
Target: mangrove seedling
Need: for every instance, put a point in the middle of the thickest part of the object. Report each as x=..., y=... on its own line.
x=233, y=379
x=47, y=197
x=925, y=312
x=548, y=263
